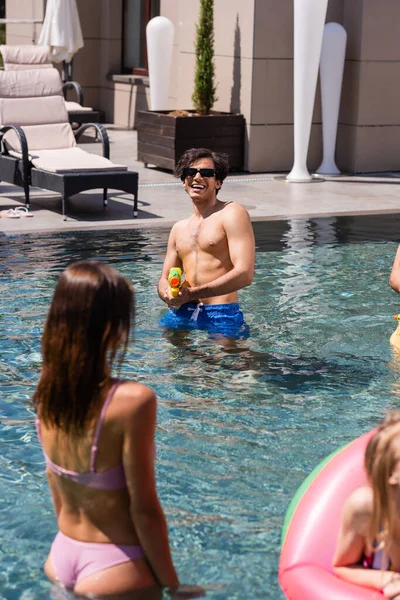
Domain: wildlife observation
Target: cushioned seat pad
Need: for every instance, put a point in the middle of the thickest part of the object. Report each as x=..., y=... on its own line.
x=69, y=160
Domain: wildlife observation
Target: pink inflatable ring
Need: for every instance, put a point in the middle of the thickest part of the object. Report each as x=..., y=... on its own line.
x=311, y=527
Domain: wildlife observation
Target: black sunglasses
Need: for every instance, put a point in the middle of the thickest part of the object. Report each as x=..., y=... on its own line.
x=192, y=172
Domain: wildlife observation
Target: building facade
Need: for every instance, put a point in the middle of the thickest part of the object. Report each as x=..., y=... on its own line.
x=254, y=71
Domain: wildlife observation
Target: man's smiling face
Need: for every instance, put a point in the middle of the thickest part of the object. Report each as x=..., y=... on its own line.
x=202, y=189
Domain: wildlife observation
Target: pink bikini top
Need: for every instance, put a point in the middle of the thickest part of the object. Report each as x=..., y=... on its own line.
x=111, y=479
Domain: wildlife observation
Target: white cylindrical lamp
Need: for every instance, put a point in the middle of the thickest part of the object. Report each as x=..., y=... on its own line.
x=309, y=20
x=160, y=41
x=331, y=75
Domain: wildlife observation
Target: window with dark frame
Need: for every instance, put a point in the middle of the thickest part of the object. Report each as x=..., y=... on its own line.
x=136, y=15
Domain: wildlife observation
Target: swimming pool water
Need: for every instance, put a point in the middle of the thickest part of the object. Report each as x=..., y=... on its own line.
x=239, y=427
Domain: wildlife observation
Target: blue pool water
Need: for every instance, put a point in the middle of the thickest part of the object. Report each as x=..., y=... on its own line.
x=241, y=427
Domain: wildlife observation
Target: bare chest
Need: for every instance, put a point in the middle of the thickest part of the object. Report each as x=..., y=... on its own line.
x=206, y=236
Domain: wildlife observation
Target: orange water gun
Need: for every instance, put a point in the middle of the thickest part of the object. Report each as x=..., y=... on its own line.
x=175, y=280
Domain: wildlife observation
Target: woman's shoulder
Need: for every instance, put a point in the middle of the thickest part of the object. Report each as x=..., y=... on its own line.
x=135, y=410
x=358, y=505
x=130, y=396
x=134, y=390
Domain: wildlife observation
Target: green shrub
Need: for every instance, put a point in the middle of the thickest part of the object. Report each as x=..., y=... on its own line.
x=204, y=89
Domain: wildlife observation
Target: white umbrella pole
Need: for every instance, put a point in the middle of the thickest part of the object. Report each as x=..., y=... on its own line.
x=160, y=40
x=309, y=19
x=331, y=74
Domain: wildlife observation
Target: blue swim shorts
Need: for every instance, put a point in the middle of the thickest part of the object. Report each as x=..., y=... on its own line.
x=223, y=319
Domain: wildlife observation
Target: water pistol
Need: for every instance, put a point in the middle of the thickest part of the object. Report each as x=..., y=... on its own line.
x=175, y=280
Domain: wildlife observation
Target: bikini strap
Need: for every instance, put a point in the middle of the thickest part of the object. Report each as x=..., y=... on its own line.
x=93, y=452
x=37, y=424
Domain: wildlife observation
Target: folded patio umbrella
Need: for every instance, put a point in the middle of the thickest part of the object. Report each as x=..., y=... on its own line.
x=61, y=30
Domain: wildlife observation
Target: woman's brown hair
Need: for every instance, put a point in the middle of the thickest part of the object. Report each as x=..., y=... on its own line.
x=87, y=324
x=381, y=456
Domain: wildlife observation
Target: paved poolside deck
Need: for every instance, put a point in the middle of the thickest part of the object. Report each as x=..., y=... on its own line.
x=162, y=201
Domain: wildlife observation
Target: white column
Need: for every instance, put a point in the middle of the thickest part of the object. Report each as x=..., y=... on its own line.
x=331, y=74
x=160, y=40
x=309, y=19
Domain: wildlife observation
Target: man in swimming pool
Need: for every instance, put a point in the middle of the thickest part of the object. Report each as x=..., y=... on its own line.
x=215, y=249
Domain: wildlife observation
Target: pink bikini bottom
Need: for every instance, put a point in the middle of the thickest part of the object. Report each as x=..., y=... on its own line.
x=73, y=560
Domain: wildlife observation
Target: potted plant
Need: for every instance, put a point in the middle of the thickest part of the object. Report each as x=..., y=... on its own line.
x=163, y=136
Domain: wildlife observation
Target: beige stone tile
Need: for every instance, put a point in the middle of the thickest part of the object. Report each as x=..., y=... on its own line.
x=233, y=85
x=185, y=80
x=87, y=63
x=273, y=93
x=278, y=93
x=111, y=19
x=353, y=23
x=349, y=103
x=233, y=81
x=379, y=93
x=335, y=11
x=271, y=148
x=23, y=33
x=25, y=9
x=236, y=83
x=170, y=10
x=174, y=78
x=224, y=78
x=346, y=147
x=109, y=59
x=234, y=28
x=106, y=97
x=378, y=149
x=246, y=146
x=124, y=107
x=317, y=113
x=261, y=93
x=246, y=79
x=381, y=25
x=96, y=60
x=273, y=29
x=314, y=158
x=368, y=149
x=273, y=26
x=186, y=28
x=224, y=66
x=90, y=14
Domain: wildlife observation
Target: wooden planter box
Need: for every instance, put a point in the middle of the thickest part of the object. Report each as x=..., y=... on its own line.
x=162, y=138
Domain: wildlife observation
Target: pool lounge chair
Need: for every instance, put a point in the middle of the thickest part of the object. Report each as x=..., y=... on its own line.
x=38, y=145
x=28, y=57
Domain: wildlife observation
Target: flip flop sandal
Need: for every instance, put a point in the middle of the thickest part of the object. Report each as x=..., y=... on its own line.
x=22, y=211
x=9, y=214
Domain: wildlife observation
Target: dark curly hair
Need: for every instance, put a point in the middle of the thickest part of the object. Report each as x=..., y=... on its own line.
x=221, y=162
